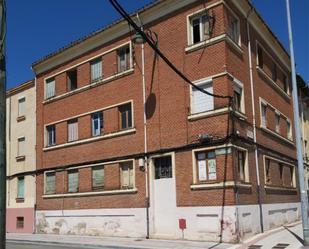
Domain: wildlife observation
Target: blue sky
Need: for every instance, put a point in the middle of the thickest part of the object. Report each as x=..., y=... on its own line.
x=37, y=28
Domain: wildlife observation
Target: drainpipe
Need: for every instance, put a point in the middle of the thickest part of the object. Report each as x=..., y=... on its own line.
x=145, y=132
x=254, y=123
x=34, y=176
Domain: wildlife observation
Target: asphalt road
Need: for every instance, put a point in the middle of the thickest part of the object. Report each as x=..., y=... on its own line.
x=13, y=245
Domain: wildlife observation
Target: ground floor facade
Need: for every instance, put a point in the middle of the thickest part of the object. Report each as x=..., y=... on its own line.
x=20, y=220
x=208, y=193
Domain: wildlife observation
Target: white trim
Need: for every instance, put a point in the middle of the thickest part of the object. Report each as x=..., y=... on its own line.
x=107, y=192
x=92, y=139
x=211, y=41
x=201, y=115
x=272, y=83
x=242, y=104
x=237, y=47
x=238, y=25
x=281, y=188
x=277, y=135
x=220, y=185
x=94, y=111
x=90, y=85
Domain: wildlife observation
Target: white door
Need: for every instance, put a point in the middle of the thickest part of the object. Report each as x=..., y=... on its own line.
x=163, y=197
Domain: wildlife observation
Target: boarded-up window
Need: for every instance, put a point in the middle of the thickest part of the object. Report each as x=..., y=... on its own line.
x=127, y=176
x=73, y=181
x=202, y=102
x=50, y=183
x=72, y=130
x=50, y=88
x=21, y=187
x=96, y=69
x=98, y=178
x=21, y=107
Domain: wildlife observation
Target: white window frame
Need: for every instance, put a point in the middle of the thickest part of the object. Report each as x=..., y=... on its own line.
x=231, y=12
x=47, y=81
x=19, y=152
x=130, y=179
x=196, y=15
x=98, y=60
x=21, y=111
x=24, y=185
x=71, y=133
x=47, y=136
x=200, y=83
x=277, y=121
x=289, y=129
x=246, y=169
x=239, y=85
x=263, y=119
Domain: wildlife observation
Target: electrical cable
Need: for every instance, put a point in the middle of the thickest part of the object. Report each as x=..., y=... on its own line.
x=126, y=16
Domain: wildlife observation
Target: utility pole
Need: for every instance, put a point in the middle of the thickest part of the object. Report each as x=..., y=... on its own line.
x=301, y=176
x=2, y=125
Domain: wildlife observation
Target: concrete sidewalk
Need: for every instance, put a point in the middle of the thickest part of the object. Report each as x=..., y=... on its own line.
x=114, y=242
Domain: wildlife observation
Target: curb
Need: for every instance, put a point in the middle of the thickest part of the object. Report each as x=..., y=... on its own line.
x=32, y=242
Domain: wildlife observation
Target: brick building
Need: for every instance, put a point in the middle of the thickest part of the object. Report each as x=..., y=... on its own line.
x=21, y=158
x=225, y=170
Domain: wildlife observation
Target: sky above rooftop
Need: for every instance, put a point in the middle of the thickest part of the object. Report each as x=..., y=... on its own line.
x=37, y=28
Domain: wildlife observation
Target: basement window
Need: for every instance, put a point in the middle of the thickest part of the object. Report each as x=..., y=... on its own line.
x=72, y=80
x=19, y=222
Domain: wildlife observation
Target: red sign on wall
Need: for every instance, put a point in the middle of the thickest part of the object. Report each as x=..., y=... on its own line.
x=182, y=224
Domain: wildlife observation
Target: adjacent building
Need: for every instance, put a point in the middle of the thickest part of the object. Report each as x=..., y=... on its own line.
x=21, y=157
x=195, y=166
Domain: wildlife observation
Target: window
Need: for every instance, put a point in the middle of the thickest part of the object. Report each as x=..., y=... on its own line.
x=200, y=29
x=202, y=102
x=125, y=116
x=267, y=171
x=72, y=80
x=50, y=88
x=241, y=165
x=51, y=135
x=73, y=181
x=233, y=28
x=98, y=178
x=277, y=122
x=285, y=84
x=123, y=59
x=281, y=172
x=206, y=162
x=289, y=129
x=274, y=72
x=263, y=115
x=21, y=187
x=21, y=146
x=21, y=107
x=50, y=183
x=19, y=222
x=96, y=69
x=238, y=98
x=163, y=167
x=127, y=175
x=72, y=130
x=260, y=56
x=97, y=123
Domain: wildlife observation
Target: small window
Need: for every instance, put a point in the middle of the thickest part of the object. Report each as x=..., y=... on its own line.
x=21, y=107
x=50, y=183
x=73, y=181
x=277, y=122
x=72, y=130
x=200, y=28
x=123, y=59
x=163, y=167
x=260, y=56
x=19, y=222
x=21, y=187
x=238, y=98
x=125, y=116
x=51, y=135
x=21, y=146
x=241, y=165
x=127, y=176
x=206, y=163
x=200, y=101
x=72, y=80
x=233, y=28
x=263, y=115
x=50, y=88
x=98, y=178
x=97, y=123
x=96, y=69
x=274, y=72
x=267, y=169
x=289, y=129
x=285, y=84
